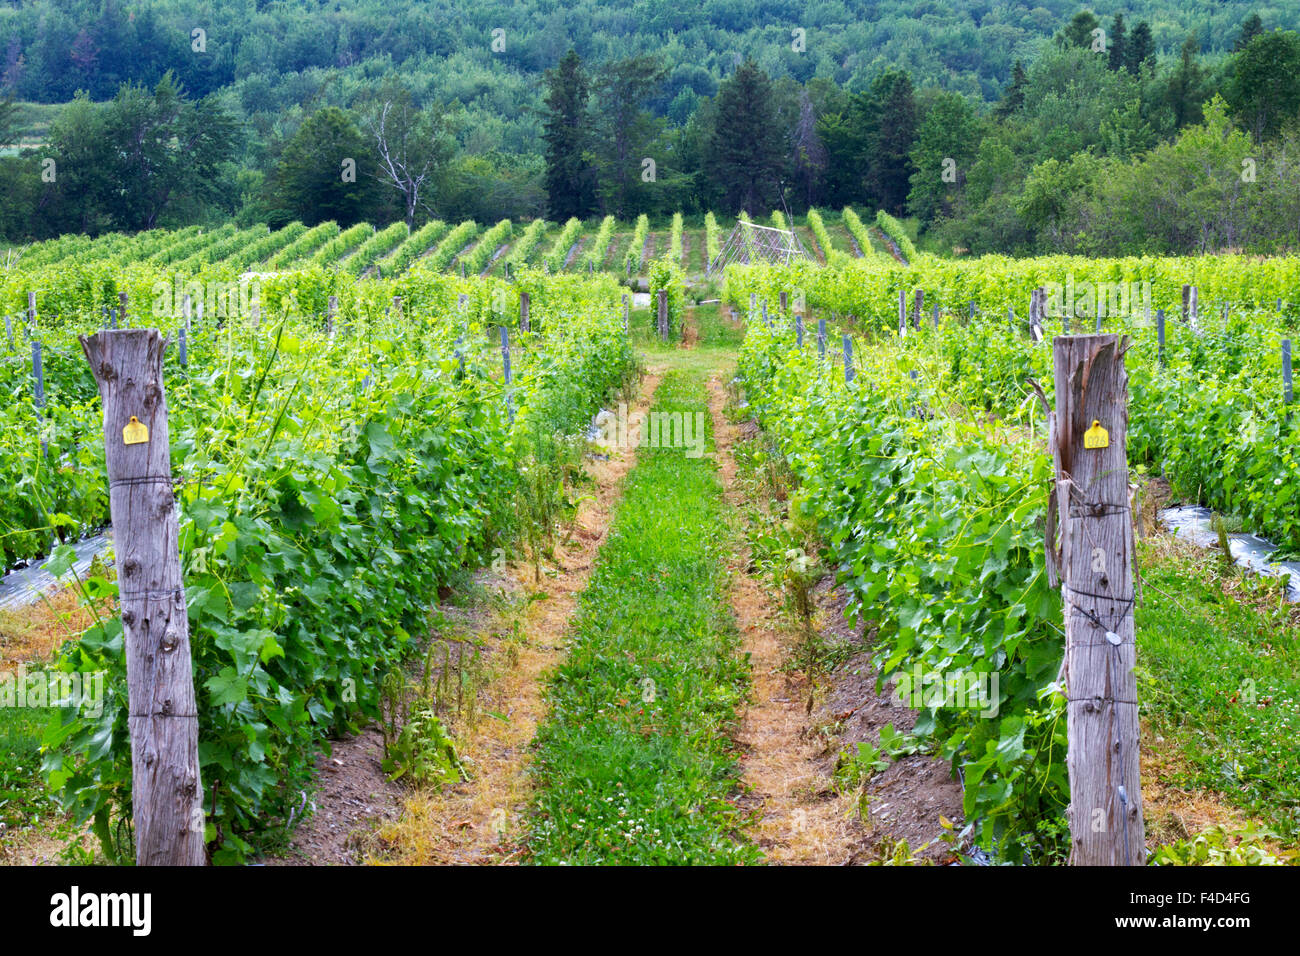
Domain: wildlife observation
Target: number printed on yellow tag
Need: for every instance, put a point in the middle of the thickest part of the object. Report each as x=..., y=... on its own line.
x=135, y=433
x=1096, y=436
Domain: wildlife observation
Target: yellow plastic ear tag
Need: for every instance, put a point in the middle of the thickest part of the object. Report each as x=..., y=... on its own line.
x=135, y=433
x=1096, y=436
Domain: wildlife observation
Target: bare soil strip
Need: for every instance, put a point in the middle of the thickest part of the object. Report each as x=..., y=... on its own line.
x=790, y=754
x=796, y=822
x=477, y=821
x=690, y=329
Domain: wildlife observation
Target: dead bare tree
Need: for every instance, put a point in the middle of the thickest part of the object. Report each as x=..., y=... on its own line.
x=410, y=149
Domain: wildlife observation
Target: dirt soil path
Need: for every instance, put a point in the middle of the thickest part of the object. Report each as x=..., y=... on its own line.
x=690, y=329
x=790, y=754
x=799, y=821
x=478, y=821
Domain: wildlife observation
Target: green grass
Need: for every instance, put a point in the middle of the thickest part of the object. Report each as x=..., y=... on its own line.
x=1220, y=677
x=635, y=762
x=715, y=331
x=24, y=798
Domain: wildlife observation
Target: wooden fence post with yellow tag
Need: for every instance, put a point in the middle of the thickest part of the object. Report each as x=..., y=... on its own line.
x=166, y=793
x=1093, y=565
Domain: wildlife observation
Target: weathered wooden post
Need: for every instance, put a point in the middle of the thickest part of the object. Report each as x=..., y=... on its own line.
x=785, y=302
x=1094, y=568
x=821, y=339
x=798, y=330
x=330, y=314
x=1160, y=336
x=936, y=315
x=848, y=359
x=184, y=348
x=166, y=790
x=462, y=268
x=627, y=314
x=9, y=331
x=31, y=310
x=663, y=314
x=525, y=324
x=185, y=311
x=753, y=302
x=122, y=313
x=1191, y=309
x=766, y=321
x=917, y=302
x=902, y=312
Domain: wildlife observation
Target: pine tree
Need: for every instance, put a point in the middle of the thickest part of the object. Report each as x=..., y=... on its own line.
x=570, y=182
x=744, y=157
x=891, y=133
x=841, y=182
x=1251, y=27
x=1140, y=47
x=1185, y=91
x=1014, y=97
x=1116, y=43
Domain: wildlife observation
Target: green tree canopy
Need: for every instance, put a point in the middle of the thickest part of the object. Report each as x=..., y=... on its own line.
x=745, y=156
x=1265, y=89
x=326, y=171
x=570, y=179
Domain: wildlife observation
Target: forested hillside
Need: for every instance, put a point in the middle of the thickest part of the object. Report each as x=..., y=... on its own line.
x=998, y=127
x=277, y=53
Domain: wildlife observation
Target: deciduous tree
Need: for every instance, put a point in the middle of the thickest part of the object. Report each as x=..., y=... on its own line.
x=326, y=171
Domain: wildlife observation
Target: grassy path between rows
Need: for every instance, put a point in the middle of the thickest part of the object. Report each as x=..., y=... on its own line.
x=636, y=760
